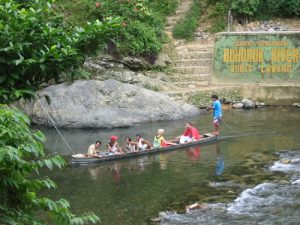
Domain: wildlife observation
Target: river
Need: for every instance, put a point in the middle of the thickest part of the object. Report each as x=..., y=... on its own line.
x=237, y=179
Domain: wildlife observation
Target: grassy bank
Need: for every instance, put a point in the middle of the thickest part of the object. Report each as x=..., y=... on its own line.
x=186, y=27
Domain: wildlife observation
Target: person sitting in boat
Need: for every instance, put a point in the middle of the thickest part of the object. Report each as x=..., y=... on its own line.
x=113, y=146
x=142, y=144
x=190, y=134
x=94, y=149
x=159, y=140
x=130, y=145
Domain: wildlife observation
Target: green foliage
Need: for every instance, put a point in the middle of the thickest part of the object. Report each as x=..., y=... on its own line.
x=138, y=16
x=290, y=8
x=218, y=14
x=139, y=38
x=245, y=7
x=166, y=7
x=266, y=8
x=219, y=10
x=21, y=154
x=141, y=31
x=37, y=46
x=186, y=27
x=129, y=10
x=227, y=96
x=219, y=25
x=271, y=6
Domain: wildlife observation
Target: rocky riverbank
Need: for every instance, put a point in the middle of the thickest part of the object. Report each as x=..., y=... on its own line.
x=102, y=104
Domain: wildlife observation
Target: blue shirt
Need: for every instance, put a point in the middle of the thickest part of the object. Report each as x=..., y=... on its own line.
x=217, y=109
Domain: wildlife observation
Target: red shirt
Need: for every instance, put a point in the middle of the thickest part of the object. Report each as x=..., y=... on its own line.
x=192, y=133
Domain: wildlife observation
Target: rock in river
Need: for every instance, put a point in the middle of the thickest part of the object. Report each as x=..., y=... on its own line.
x=238, y=105
x=103, y=104
x=248, y=104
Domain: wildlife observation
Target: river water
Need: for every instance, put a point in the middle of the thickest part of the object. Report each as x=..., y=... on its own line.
x=246, y=179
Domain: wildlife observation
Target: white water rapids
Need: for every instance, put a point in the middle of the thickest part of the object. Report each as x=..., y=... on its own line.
x=267, y=203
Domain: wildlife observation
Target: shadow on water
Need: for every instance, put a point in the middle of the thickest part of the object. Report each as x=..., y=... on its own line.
x=131, y=191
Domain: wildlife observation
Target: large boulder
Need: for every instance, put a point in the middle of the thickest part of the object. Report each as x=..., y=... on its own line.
x=103, y=104
x=248, y=104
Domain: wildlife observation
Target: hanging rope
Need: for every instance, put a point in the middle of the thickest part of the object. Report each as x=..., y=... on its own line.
x=246, y=134
x=53, y=124
x=231, y=128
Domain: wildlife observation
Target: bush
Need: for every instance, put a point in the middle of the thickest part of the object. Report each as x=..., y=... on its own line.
x=218, y=25
x=138, y=39
x=266, y=8
x=290, y=8
x=186, y=27
x=245, y=7
x=166, y=7
x=136, y=15
x=36, y=46
x=21, y=154
x=219, y=16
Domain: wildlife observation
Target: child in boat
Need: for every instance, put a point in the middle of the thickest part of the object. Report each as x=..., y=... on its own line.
x=113, y=146
x=142, y=144
x=130, y=145
x=159, y=140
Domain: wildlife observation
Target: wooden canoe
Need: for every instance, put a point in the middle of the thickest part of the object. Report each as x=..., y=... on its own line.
x=89, y=160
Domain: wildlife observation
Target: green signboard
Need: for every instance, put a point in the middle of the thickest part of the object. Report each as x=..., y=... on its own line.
x=257, y=57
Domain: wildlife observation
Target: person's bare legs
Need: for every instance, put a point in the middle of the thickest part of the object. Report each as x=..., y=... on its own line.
x=216, y=126
x=217, y=130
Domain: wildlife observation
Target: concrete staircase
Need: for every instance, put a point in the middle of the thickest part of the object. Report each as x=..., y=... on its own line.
x=192, y=61
x=180, y=12
x=192, y=65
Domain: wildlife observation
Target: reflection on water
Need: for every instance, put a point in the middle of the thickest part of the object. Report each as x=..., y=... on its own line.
x=220, y=161
x=131, y=191
x=194, y=153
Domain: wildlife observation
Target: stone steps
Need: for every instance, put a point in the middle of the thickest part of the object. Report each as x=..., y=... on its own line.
x=193, y=69
x=195, y=47
x=169, y=29
x=193, y=62
x=179, y=81
x=181, y=12
x=191, y=84
x=183, y=76
x=194, y=55
x=171, y=23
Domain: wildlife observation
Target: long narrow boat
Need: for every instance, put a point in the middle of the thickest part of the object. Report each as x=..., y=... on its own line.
x=89, y=160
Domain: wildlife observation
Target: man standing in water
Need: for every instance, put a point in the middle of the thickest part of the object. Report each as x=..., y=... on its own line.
x=217, y=113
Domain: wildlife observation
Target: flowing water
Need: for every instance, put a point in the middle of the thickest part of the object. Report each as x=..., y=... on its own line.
x=252, y=179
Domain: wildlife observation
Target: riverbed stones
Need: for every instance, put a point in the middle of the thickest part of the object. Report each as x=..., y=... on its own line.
x=259, y=104
x=296, y=105
x=238, y=105
x=248, y=104
x=103, y=104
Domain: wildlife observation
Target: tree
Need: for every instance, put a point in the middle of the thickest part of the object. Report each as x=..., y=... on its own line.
x=246, y=8
x=37, y=46
x=21, y=154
